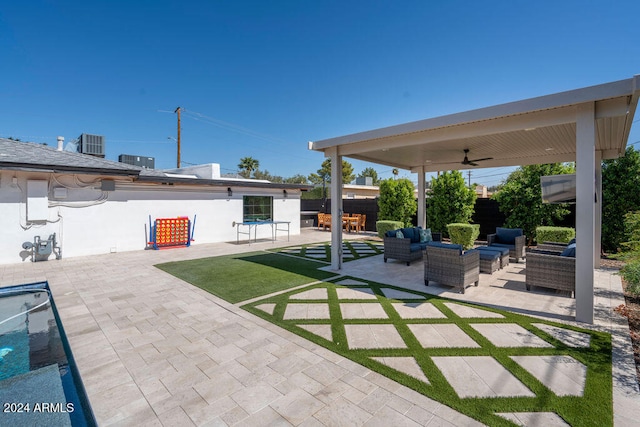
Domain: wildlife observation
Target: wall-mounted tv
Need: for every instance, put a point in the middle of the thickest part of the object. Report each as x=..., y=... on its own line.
x=558, y=188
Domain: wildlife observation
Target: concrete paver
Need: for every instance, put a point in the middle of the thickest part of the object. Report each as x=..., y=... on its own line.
x=480, y=376
x=407, y=365
x=564, y=375
x=373, y=336
x=418, y=310
x=566, y=336
x=509, y=335
x=442, y=336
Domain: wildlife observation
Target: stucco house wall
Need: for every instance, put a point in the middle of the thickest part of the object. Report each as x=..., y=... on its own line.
x=89, y=221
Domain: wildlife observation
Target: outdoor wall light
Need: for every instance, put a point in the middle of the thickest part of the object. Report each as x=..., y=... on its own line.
x=284, y=193
x=229, y=192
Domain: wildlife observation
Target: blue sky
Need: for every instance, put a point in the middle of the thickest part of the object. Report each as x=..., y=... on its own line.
x=261, y=78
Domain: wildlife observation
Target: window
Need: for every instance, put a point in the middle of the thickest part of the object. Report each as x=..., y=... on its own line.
x=257, y=208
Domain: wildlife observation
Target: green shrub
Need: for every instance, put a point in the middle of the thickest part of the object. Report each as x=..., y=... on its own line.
x=396, y=201
x=554, y=234
x=631, y=273
x=632, y=232
x=384, y=226
x=463, y=234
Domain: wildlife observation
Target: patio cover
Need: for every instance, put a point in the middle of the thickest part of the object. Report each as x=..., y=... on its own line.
x=584, y=125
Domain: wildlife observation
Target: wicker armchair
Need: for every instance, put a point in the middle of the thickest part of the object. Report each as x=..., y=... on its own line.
x=548, y=269
x=447, y=266
x=552, y=246
x=516, y=247
x=400, y=249
x=406, y=249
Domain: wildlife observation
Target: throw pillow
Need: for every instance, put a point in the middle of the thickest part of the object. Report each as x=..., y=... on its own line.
x=425, y=235
x=399, y=235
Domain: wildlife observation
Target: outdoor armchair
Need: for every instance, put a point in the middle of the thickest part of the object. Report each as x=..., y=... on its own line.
x=512, y=238
x=549, y=269
x=407, y=248
x=447, y=265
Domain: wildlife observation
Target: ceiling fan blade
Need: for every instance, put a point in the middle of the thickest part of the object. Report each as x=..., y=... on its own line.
x=481, y=160
x=470, y=163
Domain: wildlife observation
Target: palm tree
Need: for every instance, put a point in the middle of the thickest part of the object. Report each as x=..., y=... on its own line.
x=247, y=165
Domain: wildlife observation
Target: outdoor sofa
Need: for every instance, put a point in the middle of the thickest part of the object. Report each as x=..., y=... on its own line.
x=512, y=238
x=448, y=265
x=409, y=244
x=552, y=269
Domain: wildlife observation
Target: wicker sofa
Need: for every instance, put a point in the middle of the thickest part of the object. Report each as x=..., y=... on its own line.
x=512, y=238
x=550, y=269
x=406, y=249
x=446, y=264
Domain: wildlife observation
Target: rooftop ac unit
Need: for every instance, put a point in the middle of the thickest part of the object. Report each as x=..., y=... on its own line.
x=91, y=144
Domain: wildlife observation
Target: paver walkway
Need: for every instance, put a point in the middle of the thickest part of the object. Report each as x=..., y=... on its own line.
x=154, y=350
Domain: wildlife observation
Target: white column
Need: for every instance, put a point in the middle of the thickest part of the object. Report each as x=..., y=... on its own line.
x=585, y=210
x=597, y=247
x=336, y=208
x=422, y=186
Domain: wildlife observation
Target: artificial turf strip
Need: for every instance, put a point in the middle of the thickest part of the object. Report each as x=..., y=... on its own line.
x=301, y=251
x=594, y=407
x=241, y=277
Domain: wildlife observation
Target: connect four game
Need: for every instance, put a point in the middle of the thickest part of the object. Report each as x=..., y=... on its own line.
x=171, y=232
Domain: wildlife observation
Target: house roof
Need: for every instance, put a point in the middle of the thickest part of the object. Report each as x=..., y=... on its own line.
x=16, y=155
x=30, y=156
x=532, y=131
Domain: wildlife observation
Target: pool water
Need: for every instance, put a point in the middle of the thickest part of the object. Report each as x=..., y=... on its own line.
x=39, y=383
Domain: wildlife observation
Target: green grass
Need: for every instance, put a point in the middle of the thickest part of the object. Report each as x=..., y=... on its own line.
x=241, y=277
x=594, y=408
x=348, y=248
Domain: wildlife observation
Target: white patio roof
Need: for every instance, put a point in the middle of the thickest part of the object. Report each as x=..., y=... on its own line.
x=584, y=125
x=532, y=131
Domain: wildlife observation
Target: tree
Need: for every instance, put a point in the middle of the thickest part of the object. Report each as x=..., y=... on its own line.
x=324, y=173
x=296, y=179
x=450, y=201
x=370, y=172
x=247, y=165
x=520, y=198
x=397, y=202
x=620, y=195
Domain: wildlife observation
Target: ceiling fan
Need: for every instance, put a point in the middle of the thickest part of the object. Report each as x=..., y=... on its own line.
x=466, y=160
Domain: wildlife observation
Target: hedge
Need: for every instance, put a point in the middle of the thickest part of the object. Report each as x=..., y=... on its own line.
x=463, y=234
x=384, y=226
x=554, y=234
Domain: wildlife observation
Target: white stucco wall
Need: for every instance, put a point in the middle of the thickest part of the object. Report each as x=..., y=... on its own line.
x=121, y=223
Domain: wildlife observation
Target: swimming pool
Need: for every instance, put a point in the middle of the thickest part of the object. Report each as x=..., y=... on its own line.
x=39, y=382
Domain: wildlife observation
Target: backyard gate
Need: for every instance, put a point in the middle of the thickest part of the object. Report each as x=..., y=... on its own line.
x=171, y=232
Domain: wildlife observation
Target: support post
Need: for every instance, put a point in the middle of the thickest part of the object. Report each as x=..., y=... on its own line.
x=422, y=187
x=597, y=247
x=336, y=207
x=585, y=210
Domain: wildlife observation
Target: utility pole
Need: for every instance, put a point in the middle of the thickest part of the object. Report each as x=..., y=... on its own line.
x=469, y=179
x=178, y=112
